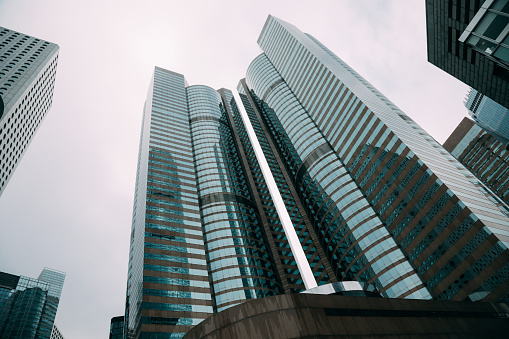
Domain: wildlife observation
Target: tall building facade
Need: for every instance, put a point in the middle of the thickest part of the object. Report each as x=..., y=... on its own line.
x=369, y=195
x=483, y=154
x=28, y=306
x=27, y=77
x=198, y=241
x=490, y=115
x=389, y=204
x=469, y=39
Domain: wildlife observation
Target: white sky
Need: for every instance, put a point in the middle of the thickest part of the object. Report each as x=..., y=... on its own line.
x=68, y=205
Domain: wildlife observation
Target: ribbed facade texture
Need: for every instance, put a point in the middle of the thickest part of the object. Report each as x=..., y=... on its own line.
x=389, y=204
x=483, y=154
x=199, y=243
x=27, y=77
x=28, y=306
x=167, y=286
x=469, y=39
x=371, y=196
x=490, y=115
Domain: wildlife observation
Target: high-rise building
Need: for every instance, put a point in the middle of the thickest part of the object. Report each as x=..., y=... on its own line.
x=483, y=154
x=28, y=306
x=488, y=114
x=390, y=205
x=469, y=39
x=27, y=77
x=198, y=242
x=365, y=194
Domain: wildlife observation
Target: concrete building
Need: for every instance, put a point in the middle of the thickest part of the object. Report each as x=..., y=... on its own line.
x=27, y=78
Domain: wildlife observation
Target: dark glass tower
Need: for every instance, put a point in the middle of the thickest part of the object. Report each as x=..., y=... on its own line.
x=469, y=39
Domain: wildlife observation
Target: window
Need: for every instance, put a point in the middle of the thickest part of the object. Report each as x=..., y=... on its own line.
x=488, y=32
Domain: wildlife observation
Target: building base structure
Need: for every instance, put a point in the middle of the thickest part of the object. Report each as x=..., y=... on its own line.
x=336, y=316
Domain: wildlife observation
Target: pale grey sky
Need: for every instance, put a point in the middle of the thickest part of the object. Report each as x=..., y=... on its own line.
x=69, y=204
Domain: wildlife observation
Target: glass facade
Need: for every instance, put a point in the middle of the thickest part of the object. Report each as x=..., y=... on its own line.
x=240, y=265
x=371, y=196
x=488, y=114
x=482, y=153
x=117, y=328
x=28, y=306
x=488, y=32
x=168, y=289
x=390, y=205
x=198, y=242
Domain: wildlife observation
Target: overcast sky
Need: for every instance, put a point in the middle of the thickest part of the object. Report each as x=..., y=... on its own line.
x=68, y=206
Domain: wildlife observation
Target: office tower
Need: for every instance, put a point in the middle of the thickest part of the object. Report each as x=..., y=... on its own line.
x=469, y=39
x=28, y=306
x=27, y=77
x=489, y=115
x=483, y=154
x=369, y=196
x=389, y=204
x=198, y=242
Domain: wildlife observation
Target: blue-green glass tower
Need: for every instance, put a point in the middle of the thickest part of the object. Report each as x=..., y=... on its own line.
x=370, y=195
x=198, y=242
x=488, y=114
x=28, y=306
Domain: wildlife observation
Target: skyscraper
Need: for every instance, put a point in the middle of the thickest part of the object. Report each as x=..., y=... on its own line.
x=489, y=115
x=28, y=306
x=198, y=242
x=390, y=205
x=368, y=194
x=27, y=77
x=483, y=154
x=469, y=39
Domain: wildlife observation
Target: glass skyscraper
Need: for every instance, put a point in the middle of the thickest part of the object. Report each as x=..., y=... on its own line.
x=198, y=242
x=370, y=195
x=482, y=153
x=390, y=205
x=488, y=114
x=28, y=306
x=27, y=78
